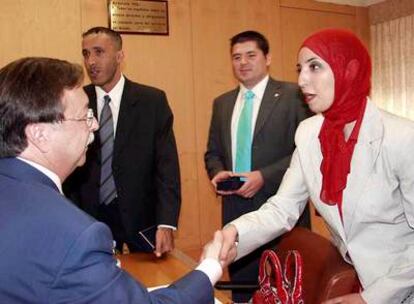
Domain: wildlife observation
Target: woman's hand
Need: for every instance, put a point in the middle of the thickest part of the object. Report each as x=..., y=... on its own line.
x=228, y=246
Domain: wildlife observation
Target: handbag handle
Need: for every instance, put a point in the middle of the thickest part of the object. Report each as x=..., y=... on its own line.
x=265, y=282
x=293, y=276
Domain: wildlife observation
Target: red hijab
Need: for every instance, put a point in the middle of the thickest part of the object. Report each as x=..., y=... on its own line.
x=351, y=66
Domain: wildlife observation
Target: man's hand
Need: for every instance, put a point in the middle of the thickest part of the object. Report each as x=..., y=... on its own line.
x=222, y=175
x=254, y=182
x=227, y=251
x=354, y=298
x=213, y=248
x=164, y=241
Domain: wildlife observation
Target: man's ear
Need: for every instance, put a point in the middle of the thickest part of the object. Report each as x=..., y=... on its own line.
x=268, y=59
x=37, y=136
x=120, y=56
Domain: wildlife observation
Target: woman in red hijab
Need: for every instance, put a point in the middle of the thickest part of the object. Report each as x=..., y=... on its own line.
x=355, y=163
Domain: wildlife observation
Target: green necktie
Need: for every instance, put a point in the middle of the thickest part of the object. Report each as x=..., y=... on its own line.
x=244, y=135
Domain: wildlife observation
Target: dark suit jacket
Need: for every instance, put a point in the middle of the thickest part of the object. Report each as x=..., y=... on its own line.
x=280, y=112
x=145, y=162
x=53, y=252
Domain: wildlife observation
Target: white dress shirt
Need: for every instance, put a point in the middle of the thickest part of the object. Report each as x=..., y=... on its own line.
x=212, y=268
x=115, y=94
x=53, y=176
x=258, y=91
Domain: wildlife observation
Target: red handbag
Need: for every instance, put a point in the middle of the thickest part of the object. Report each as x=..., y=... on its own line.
x=280, y=287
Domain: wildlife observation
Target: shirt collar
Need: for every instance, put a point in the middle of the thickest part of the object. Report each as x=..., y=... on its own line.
x=53, y=176
x=258, y=89
x=115, y=93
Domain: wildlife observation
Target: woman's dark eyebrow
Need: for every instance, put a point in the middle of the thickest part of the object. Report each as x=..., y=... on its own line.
x=307, y=61
x=311, y=59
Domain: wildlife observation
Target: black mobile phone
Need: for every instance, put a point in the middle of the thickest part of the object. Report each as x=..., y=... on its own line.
x=230, y=184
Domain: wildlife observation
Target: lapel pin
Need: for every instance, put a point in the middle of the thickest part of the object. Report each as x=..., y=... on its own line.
x=276, y=94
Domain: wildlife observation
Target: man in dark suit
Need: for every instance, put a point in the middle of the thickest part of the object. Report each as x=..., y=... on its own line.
x=51, y=251
x=139, y=189
x=262, y=158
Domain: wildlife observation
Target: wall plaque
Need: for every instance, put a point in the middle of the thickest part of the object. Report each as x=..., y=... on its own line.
x=139, y=16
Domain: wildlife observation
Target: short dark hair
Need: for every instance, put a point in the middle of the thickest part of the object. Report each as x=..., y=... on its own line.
x=261, y=40
x=31, y=91
x=116, y=37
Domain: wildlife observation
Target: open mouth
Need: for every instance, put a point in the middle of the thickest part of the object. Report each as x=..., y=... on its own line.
x=309, y=97
x=93, y=73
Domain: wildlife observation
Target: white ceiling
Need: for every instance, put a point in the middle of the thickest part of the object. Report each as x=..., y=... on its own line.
x=353, y=2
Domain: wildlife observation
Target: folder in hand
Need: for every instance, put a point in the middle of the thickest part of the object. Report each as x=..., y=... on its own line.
x=146, y=238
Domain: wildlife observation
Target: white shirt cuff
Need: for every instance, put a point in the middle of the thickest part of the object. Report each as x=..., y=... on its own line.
x=167, y=226
x=212, y=269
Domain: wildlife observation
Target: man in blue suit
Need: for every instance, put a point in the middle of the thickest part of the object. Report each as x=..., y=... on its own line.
x=51, y=251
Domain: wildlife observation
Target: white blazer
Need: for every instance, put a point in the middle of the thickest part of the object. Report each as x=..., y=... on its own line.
x=377, y=234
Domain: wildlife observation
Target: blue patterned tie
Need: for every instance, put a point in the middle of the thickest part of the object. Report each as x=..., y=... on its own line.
x=107, y=190
x=244, y=135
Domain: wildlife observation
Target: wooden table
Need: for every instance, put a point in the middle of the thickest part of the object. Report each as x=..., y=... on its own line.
x=152, y=271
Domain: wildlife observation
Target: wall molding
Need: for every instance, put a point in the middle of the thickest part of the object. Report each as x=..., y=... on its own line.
x=389, y=10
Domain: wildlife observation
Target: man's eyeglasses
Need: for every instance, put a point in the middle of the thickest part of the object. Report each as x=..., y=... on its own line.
x=89, y=118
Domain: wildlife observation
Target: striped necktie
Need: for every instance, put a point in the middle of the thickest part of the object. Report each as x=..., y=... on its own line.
x=107, y=190
x=244, y=135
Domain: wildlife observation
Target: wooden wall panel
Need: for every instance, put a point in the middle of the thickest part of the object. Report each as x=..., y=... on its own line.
x=391, y=9
x=299, y=24
x=192, y=65
x=309, y=5
x=214, y=23
x=39, y=28
x=362, y=25
x=166, y=62
x=301, y=18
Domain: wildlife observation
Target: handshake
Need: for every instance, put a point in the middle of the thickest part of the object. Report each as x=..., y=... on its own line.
x=223, y=247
